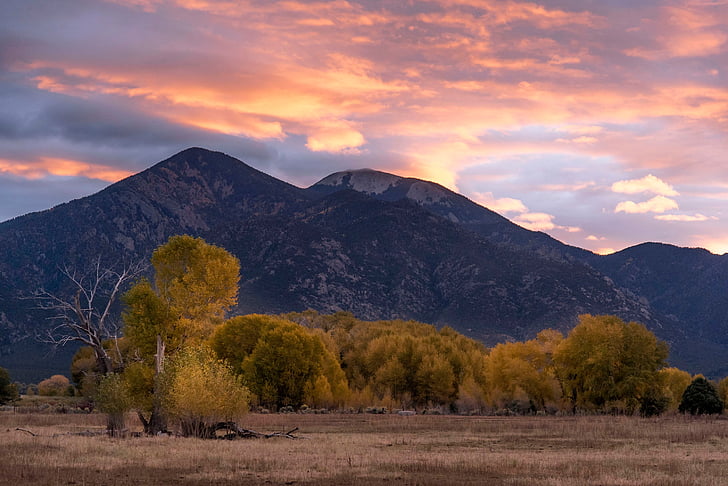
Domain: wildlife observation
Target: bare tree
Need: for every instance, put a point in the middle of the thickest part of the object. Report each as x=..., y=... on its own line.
x=86, y=316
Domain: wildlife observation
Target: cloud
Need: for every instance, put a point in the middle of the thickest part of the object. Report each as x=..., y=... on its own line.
x=500, y=205
x=525, y=90
x=60, y=167
x=334, y=136
x=658, y=204
x=649, y=184
x=542, y=222
x=582, y=140
x=685, y=217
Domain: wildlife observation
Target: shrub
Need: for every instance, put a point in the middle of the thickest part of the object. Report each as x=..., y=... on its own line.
x=202, y=391
x=56, y=385
x=654, y=402
x=113, y=398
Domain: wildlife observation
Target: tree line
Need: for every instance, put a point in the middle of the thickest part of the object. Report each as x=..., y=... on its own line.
x=180, y=359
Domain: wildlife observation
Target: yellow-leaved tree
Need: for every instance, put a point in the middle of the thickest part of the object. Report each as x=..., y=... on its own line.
x=521, y=375
x=674, y=382
x=609, y=365
x=283, y=363
x=194, y=285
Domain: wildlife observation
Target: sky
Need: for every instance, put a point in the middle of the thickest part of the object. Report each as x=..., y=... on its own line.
x=602, y=123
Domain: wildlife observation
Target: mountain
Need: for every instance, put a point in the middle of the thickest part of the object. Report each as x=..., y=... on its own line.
x=187, y=193
x=371, y=243
x=448, y=204
x=687, y=287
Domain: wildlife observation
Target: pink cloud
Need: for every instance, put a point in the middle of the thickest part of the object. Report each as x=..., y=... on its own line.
x=685, y=218
x=648, y=183
x=441, y=86
x=658, y=204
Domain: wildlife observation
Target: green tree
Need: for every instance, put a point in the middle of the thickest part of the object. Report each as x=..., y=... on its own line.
x=282, y=363
x=201, y=390
x=701, y=398
x=8, y=390
x=195, y=284
x=607, y=364
x=113, y=399
x=403, y=363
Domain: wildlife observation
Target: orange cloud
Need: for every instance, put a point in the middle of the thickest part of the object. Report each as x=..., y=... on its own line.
x=690, y=30
x=510, y=11
x=334, y=136
x=45, y=166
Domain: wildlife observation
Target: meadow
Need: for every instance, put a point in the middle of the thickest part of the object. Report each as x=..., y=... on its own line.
x=375, y=449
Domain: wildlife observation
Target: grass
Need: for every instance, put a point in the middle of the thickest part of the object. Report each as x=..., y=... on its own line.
x=377, y=449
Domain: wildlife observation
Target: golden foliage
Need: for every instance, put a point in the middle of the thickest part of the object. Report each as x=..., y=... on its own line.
x=200, y=390
x=56, y=385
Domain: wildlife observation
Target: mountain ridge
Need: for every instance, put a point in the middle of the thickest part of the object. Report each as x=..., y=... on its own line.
x=378, y=253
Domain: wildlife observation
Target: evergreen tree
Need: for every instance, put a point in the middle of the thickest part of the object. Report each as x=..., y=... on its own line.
x=701, y=397
x=8, y=390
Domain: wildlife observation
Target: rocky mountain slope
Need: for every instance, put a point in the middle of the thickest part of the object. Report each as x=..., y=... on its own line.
x=371, y=243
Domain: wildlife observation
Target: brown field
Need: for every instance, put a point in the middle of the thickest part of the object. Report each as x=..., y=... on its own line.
x=376, y=449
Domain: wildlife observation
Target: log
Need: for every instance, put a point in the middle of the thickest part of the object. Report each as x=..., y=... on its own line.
x=238, y=432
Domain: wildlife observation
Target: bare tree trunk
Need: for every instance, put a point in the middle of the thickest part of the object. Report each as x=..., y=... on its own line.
x=157, y=421
x=86, y=317
x=159, y=357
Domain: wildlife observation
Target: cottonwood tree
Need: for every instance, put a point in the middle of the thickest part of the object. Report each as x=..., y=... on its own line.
x=404, y=363
x=194, y=285
x=87, y=315
x=674, y=381
x=605, y=363
x=283, y=363
x=522, y=374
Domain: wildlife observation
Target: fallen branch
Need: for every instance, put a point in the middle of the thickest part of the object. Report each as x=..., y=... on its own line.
x=84, y=433
x=236, y=432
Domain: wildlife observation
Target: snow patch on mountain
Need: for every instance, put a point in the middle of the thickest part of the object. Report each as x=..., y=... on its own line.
x=427, y=193
x=367, y=181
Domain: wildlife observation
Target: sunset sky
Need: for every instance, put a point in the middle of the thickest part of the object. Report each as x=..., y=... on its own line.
x=602, y=123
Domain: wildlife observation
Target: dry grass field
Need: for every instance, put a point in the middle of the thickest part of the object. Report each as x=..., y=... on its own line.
x=376, y=449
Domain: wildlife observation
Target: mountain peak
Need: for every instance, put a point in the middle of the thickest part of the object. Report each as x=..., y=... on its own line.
x=198, y=157
x=368, y=181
